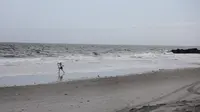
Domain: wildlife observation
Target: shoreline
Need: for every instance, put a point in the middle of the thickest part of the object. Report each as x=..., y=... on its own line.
x=111, y=94
x=51, y=79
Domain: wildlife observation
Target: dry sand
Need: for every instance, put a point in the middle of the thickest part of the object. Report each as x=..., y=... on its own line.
x=163, y=91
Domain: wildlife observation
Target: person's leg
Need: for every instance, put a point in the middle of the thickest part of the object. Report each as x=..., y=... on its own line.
x=58, y=72
x=63, y=71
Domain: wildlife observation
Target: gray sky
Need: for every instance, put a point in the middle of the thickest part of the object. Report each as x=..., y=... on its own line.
x=149, y=22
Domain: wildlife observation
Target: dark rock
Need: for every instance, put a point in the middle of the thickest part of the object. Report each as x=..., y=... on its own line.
x=186, y=51
x=95, y=53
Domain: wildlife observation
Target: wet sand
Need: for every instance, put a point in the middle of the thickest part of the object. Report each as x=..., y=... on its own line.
x=164, y=91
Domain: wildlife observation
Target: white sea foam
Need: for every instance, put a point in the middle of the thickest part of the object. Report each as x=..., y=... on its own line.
x=80, y=63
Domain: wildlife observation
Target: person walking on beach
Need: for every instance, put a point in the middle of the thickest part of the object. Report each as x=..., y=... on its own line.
x=60, y=68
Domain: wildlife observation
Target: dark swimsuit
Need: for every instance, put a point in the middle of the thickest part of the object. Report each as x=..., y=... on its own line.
x=61, y=68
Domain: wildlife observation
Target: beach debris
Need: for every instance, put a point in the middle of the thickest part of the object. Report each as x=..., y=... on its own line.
x=38, y=105
x=147, y=108
x=88, y=100
x=138, y=97
x=21, y=110
x=17, y=94
x=65, y=94
x=118, y=56
x=117, y=82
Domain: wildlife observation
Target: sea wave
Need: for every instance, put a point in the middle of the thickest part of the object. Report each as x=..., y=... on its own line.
x=22, y=50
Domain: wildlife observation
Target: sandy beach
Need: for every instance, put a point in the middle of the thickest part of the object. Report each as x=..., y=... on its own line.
x=100, y=56
x=113, y=94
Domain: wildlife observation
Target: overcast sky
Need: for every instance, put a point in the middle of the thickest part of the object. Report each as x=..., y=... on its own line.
x=146, y=22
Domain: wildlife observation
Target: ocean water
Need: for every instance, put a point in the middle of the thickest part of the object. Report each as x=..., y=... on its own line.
x=29, y=63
